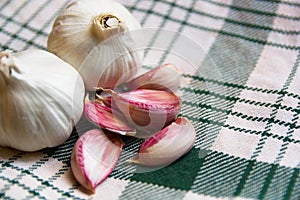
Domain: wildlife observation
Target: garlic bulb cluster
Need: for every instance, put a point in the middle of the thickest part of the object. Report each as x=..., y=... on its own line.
x=41, y=99
x=92, y=36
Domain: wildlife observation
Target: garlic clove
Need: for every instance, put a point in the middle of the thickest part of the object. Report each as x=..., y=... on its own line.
x=147, y=110
x=94, y=157
x=165, y=77
x=167, y=145
x=106, y=118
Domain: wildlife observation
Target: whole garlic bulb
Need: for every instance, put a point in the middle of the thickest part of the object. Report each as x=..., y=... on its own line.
x=41, y=100
x=82, y=26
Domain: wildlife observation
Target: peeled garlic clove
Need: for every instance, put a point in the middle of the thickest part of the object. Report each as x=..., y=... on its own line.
x=106, y=118
x=165, y=77
x=80, y=30
x=94, y=157
x=148, y=110
x=167, y=145
x=41, y=100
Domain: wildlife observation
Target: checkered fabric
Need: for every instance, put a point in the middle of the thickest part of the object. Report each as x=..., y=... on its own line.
x=246, y=113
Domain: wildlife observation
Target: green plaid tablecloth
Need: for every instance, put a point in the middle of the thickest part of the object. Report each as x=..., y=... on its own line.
x=247, y=120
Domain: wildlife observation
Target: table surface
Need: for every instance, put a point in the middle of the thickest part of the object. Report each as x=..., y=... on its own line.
x=243, y=99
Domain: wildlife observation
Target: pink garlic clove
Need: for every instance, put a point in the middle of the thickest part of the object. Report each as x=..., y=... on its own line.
x=165, y=77
x=167, y=145
x=103, y=116
x=148, y=110
x=94, y=157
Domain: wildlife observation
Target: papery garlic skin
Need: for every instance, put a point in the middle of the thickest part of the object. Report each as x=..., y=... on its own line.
x=165, y=77
x=101, y=115
x=94, y=157
x=40, y=102
x=82, y=26
x=167, y=145
x=147, y=110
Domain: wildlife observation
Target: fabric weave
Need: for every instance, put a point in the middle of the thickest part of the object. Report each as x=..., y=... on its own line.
x=246, y=115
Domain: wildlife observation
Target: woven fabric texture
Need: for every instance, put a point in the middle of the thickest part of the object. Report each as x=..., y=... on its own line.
x=244, y=102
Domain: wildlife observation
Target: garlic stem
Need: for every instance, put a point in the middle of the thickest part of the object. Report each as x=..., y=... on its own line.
x=6, y=66
x=106, y=25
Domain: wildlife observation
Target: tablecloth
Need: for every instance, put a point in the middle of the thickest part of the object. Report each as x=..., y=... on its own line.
x=246, y=114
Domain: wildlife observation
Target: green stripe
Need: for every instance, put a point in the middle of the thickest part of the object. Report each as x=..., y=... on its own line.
x=268, y=127
x=222, y=175
x=243, y=87
x=234, y=99
x=280, y=183
x=284, y=2
x=289, y=134
x=2, y=196
x=226, y=33
x=63, y=152
x=51, y=18
x=162, y=24
x=5, y=47
x=269, y=124
x=44, y=183
x=148, y=12
x=254, y=11
x=291, y=125
x=292, y=184
x=178, y=31
x=4, y=5
x=244, y=130
x=244, y=178
x=23, y=186
x=16, y=12
x=268, y=181
x=237, y=22
x=25, y=26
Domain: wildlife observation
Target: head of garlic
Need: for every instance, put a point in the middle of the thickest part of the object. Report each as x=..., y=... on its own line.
x=41, y=100
x=78, y=36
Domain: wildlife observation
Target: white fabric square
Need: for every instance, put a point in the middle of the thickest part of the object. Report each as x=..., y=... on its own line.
x=296, y=133
x=270, y=150
x=19, y=44
x=292, y=156
x=280, y=130
x=161, y=7
x=26, y=34
x=284, y=115
x=295, y=84
x=245, y=123
x=11, y=28
x=178, y=13
x=235, y=143
x=49, y=168
x=15, y=192
x=110, y=189
x=153, y=21
x=218, y=10
x=289, y=101
x=270, y=73
x=252, y=110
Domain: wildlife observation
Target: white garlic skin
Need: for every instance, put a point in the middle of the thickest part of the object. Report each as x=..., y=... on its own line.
x=40, y=105
x=78, y=30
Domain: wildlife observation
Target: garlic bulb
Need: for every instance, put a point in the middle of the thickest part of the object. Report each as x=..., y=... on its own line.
x=78, y=36
x=41, y=99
